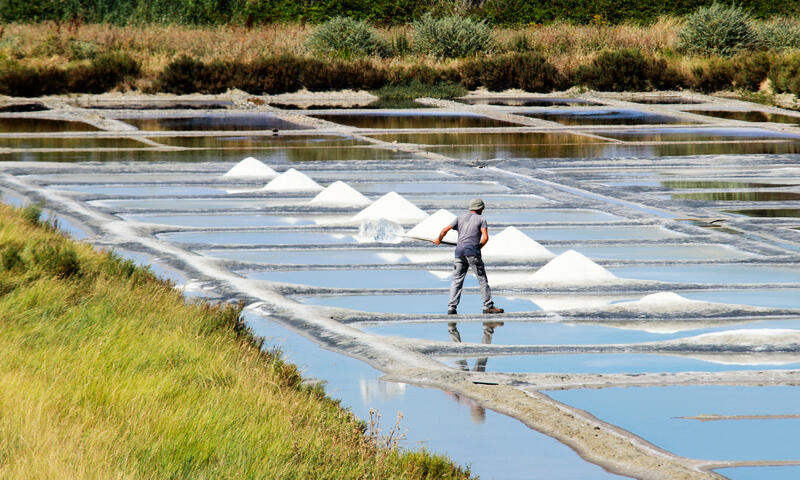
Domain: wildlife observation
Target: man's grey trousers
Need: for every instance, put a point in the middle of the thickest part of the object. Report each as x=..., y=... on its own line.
x=460, y=267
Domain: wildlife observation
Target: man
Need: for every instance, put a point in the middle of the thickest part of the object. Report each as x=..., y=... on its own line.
x=473, y=233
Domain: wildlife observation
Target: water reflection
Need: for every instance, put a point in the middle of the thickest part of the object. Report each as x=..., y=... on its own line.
x=42, y=125
x=696, y=134
x=293, y=141
x=71, y=142
x=527, y=101
x=212, y=122
x=739, y=196
x=416, y=120
x=750, y=116
x=768, y=212
x=605, y=117
x=689, y=184
x=488, y=333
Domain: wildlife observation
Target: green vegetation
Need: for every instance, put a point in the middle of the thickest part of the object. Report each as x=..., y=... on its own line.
x=249, y=12
x=96, y=382
x=451, y=36
x=345, y=37
x=718, y=29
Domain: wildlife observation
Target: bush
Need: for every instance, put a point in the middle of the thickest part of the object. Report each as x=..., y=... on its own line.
x=18, y=81
x=182, y=75
x=450, y=37
x=751, y=70
x=785, y=75
x=717, y=74
x=32, y=213
x=10, y=257
x=627, y=70
x=103, y=74
x=59, y=260
x=778, y=34
x=345, y=37
x=718, y=29
x=528, y=71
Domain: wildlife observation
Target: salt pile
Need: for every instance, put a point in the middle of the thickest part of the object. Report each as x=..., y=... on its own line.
x=250, y=168
x=393, y=207
x=379, y=231
x=340, y=194
x=775, y=338
x=512, y=244
x=672, y=304
x=430, y=228
x=293, y=181
x=572, y=268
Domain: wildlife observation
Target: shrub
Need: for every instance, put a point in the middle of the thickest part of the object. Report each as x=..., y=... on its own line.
x=751, y=70
x=785, y=75
x=32, y=213
x=450, y=37
x=345, y=37
x=182, y=75
x=718, y=29
x=18, y=81
x=269, y=75
x=717, y=74
x=527, y=71
x=103, y=74
x=80, y=50
x=59, y=260
x=627, y=70
x=778, y=34
x=10, y=257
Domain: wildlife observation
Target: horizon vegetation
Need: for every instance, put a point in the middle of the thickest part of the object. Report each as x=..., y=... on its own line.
x=107, y=372
x=714, y=48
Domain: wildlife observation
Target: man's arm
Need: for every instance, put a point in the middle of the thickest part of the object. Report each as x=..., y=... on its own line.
x=442, y=234
x=484, y=236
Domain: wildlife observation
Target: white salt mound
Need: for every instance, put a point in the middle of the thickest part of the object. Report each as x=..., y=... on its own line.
x=572, y=268
x=251, y=168
x=430, y=228
x=394, y=207
x=379, y=231
x=764, y=336
x=340, y=194
x=293, y=181
x=512, y=244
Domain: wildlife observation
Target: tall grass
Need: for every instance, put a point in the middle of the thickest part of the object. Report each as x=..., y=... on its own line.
x=108, y=373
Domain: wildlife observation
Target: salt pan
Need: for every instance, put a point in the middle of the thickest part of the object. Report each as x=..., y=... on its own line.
x=394, y=207
x=512, y=244
x=340, y=194
x=572, y=268
x=774, y=337
x=293, y=181
x=430, y=228
x=251, y=168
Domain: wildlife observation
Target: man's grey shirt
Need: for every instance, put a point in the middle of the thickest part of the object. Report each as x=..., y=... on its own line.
x=469, y=228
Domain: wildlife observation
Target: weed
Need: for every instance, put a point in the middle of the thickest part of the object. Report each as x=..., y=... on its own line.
x=32, y=213
x=718, y=29
x=451, y=37
x=714, y=75
x=10, y=257
x=56, y=258
x=778, y=34
x=752, y=69
x=785, y=75
x=103, y=73
x=627, y=70
x=344, y=37
x=81, y=50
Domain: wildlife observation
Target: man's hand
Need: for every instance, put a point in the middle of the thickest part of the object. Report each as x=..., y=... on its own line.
x=444, y=231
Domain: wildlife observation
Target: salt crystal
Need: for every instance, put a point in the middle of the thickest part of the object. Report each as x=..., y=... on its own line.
x=251, y=168
x=293, y=181
x=430, y=228
x=394, y=207
x=340, y=194
x=512, y=244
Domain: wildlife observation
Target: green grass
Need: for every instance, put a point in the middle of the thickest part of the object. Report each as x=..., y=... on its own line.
x=106, y=372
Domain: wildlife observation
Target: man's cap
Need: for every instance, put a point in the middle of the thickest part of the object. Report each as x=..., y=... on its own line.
x=475, y=204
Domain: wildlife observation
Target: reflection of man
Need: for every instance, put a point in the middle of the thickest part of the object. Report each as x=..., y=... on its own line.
x=473, y=233
x=488, y=333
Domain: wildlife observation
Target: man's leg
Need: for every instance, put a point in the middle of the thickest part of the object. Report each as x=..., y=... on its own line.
x=480, y=272
x=460, y=267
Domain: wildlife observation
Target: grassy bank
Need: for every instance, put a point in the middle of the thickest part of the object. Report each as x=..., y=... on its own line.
x=106, y=372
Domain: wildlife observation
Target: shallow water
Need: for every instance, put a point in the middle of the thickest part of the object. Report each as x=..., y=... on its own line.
x=41, y=125
x=697, y=134
x=768, y=212
x=141, y=190
x=549, y=333
x=212, y=122
x=541, y=215
x=203, y=204
x=739, y=196
x=712, y=273
x=259, y=238
x=414, y=120
x=605, y=117
x=234, y=220
x=417, y=303
x=608, y=363
x=664, y=101
x=286, y=141
x=426, y=186
x=654, y=413
x=493, y=445
x=687, y=184
x=71, y=142
x=777, y=298
x=386, y=256
x=527, y=102
x=657, y=252
x=750, y=116
x=600, y=233
x=510, y=139
x=790, y=472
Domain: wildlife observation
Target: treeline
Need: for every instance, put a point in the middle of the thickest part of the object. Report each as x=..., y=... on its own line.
x=385, y=12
